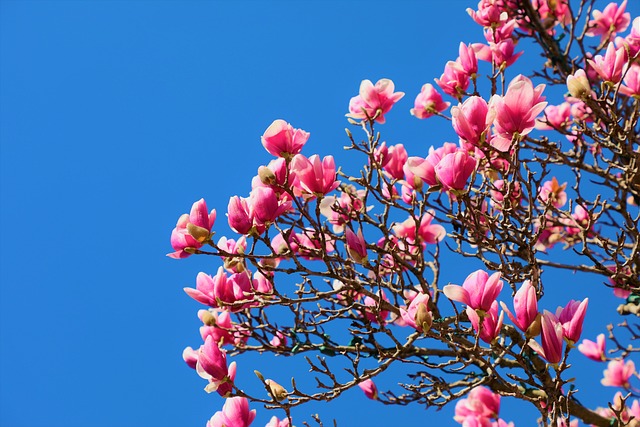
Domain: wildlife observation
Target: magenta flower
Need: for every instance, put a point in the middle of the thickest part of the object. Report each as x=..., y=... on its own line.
x=594, y=350
x=369, y=388
x=491, y=322
x=235, y=413
x=618, y=373
x=525, y=304
x=417, y=314
x=471, y=119
x=265, y=206
x=467, y=60
x=374, y=101
x=610, y=21
x=631, y=85
x=239, y=215
x=392, y=159
x=192, y=229
x=552, y=192
x=425, y=169
x=453, y=171
x=428, y=102
x=426, y=232
x=212, y=364
x=572, y=318
x=501, y=54
x=453, y=81
x=480, y=403
x=555, y=117
x=489, y=14
x=612, y=65
x=516, y=111
x=282, y=140
x=218, y=325
x=356, y=246
x=479, y=290
x=552, y=338
x=315, y=176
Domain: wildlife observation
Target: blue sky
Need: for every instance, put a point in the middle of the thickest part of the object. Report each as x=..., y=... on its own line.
x=115, y=116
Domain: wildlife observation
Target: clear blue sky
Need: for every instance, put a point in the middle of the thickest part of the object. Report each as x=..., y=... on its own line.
x=115, y=116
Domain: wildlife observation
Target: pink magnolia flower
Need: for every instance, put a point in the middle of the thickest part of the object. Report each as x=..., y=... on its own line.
x=572, y=318
x=356, y=246
x=491, y=322
x=525, y=303
x=467, y=60
x=424, y=232
x=282, y=140
x=425, y=169
x=417, y=314
x=428, y=102
x=374, y=101
x=498, y=195
x=218, y=326
x=489, y=14
x=454, y=170
x=221, y=289
x=235, y=413
x=552, y=192
x=265, y=206
x=341, y=210
x=503, y=32
x=275, y=422
x=610, y=21
x=212, y=364
x=479, y=290
x=481, y=402
x=579, y=219
x=369, y=388
x=594, y=350
x=192, y=229
x=279, y=340
x=555, y=117
x=631, y=86
x=552, y=338
x=612, y=65
x=516, y=111
x=190, y=356
x=453, y=82
x=472, y=119
x=392, y=159
x=239, y=215
x=618, y=373
x=501, y=54
x=315, y=176
x=373, y=308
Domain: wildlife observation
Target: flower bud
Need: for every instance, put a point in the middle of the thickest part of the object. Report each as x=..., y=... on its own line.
x=277, y=390
x=578, y=84
x=424, y=319
x=207, y=318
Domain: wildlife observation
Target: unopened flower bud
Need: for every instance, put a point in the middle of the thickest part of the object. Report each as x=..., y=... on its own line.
x=207, y=318
x=578, y=84
x=277, y=390
x=199, y=233
x=266, y=175
x=424, y=319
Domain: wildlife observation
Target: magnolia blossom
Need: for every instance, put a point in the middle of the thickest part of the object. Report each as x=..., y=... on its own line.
x=618, y=373
x=516, y=111
x=610, y=21
x=572, y=317
x=356, y=246
x=212, y=365
x=428, y=102
x=417, y=314
x=192, y=230
x=490, y=13
x=369, y=388
x=282, y=140
x=525, y=303
x=552, y=338
x=594, y=350
x=552, y=192
x=472, y=119
x=453, y=171
x=491, y=324
x=275, y=422
x=578, y=84
x=612, y=65
x=479, y=290
x=480, y=403
x=374, y=101
x=453, y=81
x=235, y=413
x=392, y=159
x=315, y=176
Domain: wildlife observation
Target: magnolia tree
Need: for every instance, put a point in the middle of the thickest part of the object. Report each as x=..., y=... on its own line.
x=342, y=267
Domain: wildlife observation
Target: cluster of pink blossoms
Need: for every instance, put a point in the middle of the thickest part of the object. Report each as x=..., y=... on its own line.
x=481, y=408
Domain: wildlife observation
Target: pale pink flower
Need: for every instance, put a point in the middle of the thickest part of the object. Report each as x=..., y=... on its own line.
x=618, y=373
x=369, y=388
x=235, y=413
x=190, y=356
x=552, y=338
x=282, y=140
x=479, y=290
x=275, y=422
x=212, y=364
x=572, y=318
x=314, y=176
x=555, y=117
x=428, y=102
x=279, y=340
x=261, y=283
x=425, y=168
x=192, y=229
x=612, y=65
x=552, y=192
x=392, y=159
x=610, y=21
x=491, y=322
x=341, y=210
x=481, y=402
x=525, y=304
x=594, y=350
x=374, y=101
x=426, y=232
x=472, y=119
x=373, y=308
x=453, y=171
x=501, y=54
x=453, y=82
x=516, y=111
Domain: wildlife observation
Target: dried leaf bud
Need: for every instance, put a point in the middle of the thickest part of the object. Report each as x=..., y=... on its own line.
x=424, y=319
x=207, y=318
x=277, y=390
x=199, y=233
x=266, y=175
